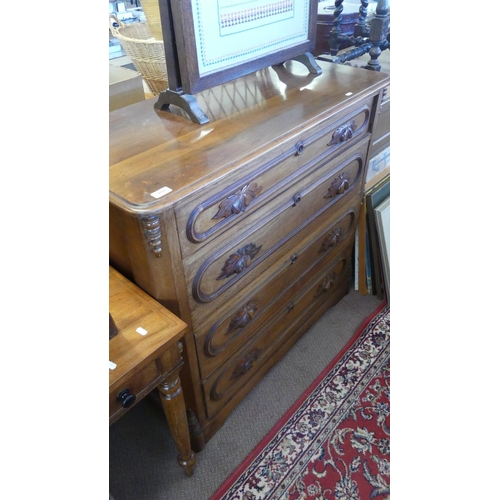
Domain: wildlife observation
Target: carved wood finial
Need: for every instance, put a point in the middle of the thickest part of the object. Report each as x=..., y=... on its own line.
x=152, y=230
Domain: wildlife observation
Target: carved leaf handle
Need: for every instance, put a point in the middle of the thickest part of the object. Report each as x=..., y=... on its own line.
x=326, y=284
x=243, y=316
x=343, y=133
x=238, y=201
x=239, y=261
x=332, y=238
x=245, y=364
x=338, y=186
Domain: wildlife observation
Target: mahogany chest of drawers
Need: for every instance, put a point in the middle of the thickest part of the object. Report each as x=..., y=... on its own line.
x=243, y=227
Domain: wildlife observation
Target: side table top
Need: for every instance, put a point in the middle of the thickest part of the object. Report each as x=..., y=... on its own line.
x=133, y=309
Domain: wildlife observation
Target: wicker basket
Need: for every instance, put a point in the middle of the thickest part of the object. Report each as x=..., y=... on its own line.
x=146, y=53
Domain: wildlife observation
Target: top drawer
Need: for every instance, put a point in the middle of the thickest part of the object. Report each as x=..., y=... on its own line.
x=222, y=206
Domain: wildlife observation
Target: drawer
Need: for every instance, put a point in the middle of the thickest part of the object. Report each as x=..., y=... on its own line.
x=238, y=372
x=255, y=247
x=217, y=340
x=221, y=207
x=139, y=385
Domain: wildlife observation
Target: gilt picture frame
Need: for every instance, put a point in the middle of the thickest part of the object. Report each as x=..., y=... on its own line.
x=216, y=41
x=383, y=222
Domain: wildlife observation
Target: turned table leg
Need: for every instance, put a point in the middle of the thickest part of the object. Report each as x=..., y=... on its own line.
x=174, y=408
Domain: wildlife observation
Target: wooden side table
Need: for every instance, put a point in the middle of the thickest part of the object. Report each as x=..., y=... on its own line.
x=144, y=354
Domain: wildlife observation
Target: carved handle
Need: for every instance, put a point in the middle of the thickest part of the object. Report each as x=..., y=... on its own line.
x=296, y=199
x=339, y=186
x=332, y=239
x=294, y=258
x=343, y=133
x=243, y=316
x=126, y=398
x=346, y=134
x=239, y=261
x=245, y=364
x=327, y=282
x=238, y=201
x=344, y=186
x=290, y=307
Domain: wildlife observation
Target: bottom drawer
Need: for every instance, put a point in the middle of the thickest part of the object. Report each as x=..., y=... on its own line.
x=139, y=385
x=238, y=372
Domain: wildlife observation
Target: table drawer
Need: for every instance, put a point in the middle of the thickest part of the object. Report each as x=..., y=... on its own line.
x=227, y=381
x=217, y=341
x=137, y=385
x=221, y=207
x=255, y=247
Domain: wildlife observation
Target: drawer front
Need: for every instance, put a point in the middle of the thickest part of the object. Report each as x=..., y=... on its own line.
x=256, y=246
x=140, y=384
x=218, y=340
x=226, y=383
x=223, y=207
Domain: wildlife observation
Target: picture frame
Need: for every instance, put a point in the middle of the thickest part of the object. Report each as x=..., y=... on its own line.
x=211, y=42
x=373, y=198
x=220, y=40
x=383, y=222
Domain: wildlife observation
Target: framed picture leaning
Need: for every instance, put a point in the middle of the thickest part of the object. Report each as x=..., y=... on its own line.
x=211, y=42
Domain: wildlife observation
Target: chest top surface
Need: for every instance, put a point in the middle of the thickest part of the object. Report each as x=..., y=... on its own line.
x=155, y=151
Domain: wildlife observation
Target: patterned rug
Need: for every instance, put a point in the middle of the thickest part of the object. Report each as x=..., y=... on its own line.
x=334, y=442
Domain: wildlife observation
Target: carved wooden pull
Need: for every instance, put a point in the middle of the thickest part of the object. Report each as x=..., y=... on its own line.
x=332, y=239
x=294, y=258
x=343, y=133
x=245, y=364
x=243, y=316
x=326, y=284
x=239, y=261
x=338, y=186
x=238, y=201
x=290, y=307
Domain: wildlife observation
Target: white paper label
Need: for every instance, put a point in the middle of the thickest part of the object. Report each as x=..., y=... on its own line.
x=348, y=94
x=161, y=192
x=112, y=365
x=141, y=331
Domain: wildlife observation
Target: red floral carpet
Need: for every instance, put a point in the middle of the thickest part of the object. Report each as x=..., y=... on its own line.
x=334, y=442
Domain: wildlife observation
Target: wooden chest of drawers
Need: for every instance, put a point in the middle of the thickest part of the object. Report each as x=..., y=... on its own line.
x=244, y=226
